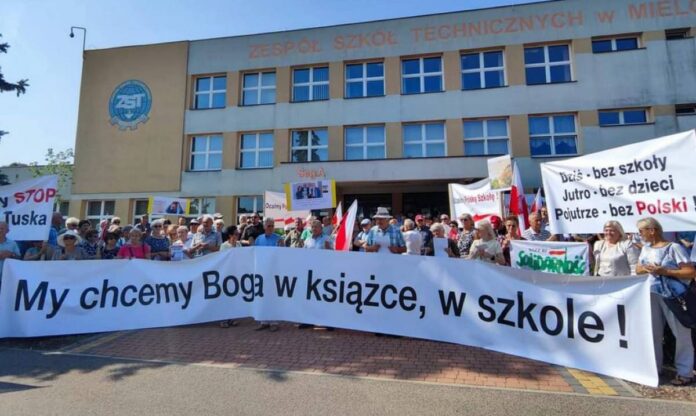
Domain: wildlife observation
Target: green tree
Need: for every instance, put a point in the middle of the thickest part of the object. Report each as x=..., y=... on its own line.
x=20, y=87
x=57, y=163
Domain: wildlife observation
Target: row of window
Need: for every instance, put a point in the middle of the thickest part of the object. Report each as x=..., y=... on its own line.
x=544, y=64
x=550, y=135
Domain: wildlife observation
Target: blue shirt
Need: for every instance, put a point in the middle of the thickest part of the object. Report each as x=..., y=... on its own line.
x=268, y=241
x=395, y=237
x=53, y=237
x=669, y=257
x=8, y=245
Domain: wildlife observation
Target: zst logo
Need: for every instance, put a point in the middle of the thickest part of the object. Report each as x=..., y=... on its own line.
x=130, y=104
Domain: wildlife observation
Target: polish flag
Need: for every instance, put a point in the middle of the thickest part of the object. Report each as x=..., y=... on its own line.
x=289, y=220
x=338, y=215
x=344, y=233
x=518, y=201
x=536, y=206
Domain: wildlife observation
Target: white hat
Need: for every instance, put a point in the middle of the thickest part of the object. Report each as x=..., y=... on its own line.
x=382, y=212
x=73, y=233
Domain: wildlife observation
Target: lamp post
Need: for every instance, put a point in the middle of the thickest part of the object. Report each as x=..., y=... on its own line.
x=84, y=36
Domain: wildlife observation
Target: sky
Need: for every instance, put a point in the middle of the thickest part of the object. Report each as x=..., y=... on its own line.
x=41, y=50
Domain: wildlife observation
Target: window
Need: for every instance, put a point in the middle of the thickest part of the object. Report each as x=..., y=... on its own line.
x=365, y=80
x=139, y=209
x=259, y=88
x=206, y=152
x=256, y=150
x=486, y=137
x=99, y=210
x=210, y=92
x=201, y=206
x=547, y=64
x=365, y=142
x=685, y=109
x=615, y=44
x=424, y=140
x=310, y=84
x=63, y=207
x=676, y=34
x=250, y=205
x=421, y=75
x=622, y=117
x=309, y=145
x=482, y=70
x=552, y=135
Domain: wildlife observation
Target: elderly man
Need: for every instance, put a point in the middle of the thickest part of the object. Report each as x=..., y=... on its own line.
x=426, y=235
x=384, y=238
x=535, y=232
x=293, y=237
x=361, y=238
x=318, y=240
x=206, y=240
x=56, y=224
x=8, y=248
x=269, y=238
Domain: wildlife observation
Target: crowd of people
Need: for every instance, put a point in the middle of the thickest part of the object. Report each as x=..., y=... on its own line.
x=613, y=253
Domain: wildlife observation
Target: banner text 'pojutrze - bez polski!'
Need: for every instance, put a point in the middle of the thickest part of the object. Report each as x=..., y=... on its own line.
x=586, y=322
x=653, y=178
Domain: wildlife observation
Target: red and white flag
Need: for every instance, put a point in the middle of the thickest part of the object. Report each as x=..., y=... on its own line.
x=518, y=201
x=338, y=215
x=344, y=233
x=536, y=205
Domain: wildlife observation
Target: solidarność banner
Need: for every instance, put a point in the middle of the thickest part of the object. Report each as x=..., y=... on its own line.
x=595, y=324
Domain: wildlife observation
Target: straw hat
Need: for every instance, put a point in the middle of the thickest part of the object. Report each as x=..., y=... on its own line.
x=382, y=212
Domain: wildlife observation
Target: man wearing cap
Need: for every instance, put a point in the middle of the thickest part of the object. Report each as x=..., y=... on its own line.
x=361, y=239
x=384, y=238
x=8, y=248
x=426, y=235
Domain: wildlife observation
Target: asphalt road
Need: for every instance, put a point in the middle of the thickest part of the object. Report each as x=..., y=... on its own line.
x=35, y=383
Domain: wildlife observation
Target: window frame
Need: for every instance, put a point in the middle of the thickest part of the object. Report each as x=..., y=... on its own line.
x=364, y=79
x=364, y=144
x=202, y=200
x=614, y=39
x=621, y=112
x=259, y=87
x=485, y=138
x=96, y=219
x=685, y=109
x=547, y=64
x=423, y=142
x=552, y=135
x=211, y=92
x=481, y=70
x=309, y=146
x=207, y=152
x=256, y=150
x=678, y=33
x=256, y=199
x=311, y=83
x=421, y=74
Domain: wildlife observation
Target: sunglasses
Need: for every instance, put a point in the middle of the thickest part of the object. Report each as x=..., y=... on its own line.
x=156, y=226
x=69, y=237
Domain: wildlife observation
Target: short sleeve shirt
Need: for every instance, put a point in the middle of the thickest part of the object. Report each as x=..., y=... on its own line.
x=268, y=241
x=8, y=245
x=669, y=257
x=213, y=238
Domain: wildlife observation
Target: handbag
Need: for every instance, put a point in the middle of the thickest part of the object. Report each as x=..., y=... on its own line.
x=682, y=306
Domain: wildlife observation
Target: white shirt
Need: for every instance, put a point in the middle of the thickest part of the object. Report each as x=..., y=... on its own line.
x=383, y=240
x=414, y=242
x=316, y=243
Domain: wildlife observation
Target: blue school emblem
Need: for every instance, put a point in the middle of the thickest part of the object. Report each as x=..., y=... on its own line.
x=130, y=104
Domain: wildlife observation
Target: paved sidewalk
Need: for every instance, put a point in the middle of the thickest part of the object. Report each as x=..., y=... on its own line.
x=348, y=353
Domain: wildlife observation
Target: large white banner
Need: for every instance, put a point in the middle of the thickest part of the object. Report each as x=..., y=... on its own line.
x=653, y=178
x=551, y=257
x=27, y=207
x=589, y=323
x=274, y=206
x=476, y=199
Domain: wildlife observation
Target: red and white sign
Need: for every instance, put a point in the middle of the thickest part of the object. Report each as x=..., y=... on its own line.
x=27, y=207
x=476, y=199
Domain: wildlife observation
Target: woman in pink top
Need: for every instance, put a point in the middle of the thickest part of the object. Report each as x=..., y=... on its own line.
x=134, y=248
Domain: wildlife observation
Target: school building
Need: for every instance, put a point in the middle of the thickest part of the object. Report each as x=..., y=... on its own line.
x=392, y=110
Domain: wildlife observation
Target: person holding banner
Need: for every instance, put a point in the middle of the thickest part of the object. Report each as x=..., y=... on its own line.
x=670, y=270
x=134, y=248
x=612, y=254
x=443, y=246
x=231, y=237
x=39, y=250
x=206, y=240
x=512, y=232
x=8, y=248
x=413, y=238
x=158, y=242
x=486, y=247
x=384, y=238
x=269, y=238
x=466, y=237
x=318, y=240
x=536, y=231
x=69, y=247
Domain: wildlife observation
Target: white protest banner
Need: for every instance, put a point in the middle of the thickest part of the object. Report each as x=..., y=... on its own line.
x=163, y=205
x=275, y=206
x=27, y=207
x=589, y=323
x=557, y=257
x=653, y=178
x=500, y=172
x=476, y=199
x=307, y=195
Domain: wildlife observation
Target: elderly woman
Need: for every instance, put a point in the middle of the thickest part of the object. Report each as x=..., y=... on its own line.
x=412, y=238
x=181, y=247
x=91, y=245
x=486, y=247
x=134, y=248
x=450, y=248
x=613, y=253
x=110, y=249
x=72, y=223
x=231, y=235
x=466, y=237
x=158, y=242
x=69, y=248
x=670, y=271
x=172, y=233
x=512, y=232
